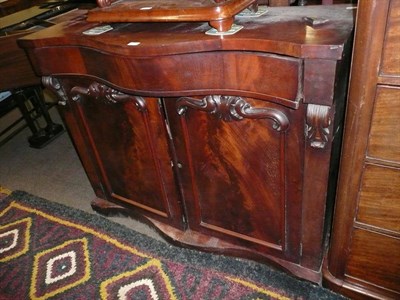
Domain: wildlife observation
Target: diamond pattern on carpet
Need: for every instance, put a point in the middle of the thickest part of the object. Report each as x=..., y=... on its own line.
x=50, y=251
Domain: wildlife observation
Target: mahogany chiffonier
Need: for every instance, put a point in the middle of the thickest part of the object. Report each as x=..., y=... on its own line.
x=222, y=142
x=364, y=256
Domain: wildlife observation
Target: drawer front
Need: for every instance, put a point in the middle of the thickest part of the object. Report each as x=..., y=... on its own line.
x=384, y=139
x=375, y=258
x=259, y=75
x=245, y=73
x=391, y=57
x=379, y=198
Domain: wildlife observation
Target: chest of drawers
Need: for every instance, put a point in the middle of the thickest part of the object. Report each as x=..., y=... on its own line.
x=364, y=256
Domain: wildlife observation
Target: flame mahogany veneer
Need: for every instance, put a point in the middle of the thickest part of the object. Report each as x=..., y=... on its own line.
x=222, y=143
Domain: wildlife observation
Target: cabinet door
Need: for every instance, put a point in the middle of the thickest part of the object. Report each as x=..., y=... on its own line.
x=128, y=145
x=240, y=164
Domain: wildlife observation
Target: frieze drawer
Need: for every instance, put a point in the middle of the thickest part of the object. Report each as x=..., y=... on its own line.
x=261, y=74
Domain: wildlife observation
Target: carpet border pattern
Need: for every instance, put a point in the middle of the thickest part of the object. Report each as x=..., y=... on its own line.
x=260, y=278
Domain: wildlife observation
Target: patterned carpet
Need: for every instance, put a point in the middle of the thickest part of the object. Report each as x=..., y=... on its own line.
x=50, y=251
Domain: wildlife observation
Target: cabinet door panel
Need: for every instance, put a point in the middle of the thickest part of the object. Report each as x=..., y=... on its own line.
x=236, y=181
x=128, y=141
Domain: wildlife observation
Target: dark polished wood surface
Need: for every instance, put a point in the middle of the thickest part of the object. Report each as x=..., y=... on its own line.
x=15, y=63
x=17, y=75
x=221, y=142
x=364, y=256
x=281, y=31
x=12, y=6
x=13, y=60
x=220, y=14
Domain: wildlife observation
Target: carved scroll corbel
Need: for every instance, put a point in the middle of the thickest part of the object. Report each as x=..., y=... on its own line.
x=317, y=127
x=54, y=85
x=232, y=108
x=106, y=95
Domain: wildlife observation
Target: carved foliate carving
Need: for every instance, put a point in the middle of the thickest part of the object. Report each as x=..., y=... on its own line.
x=233, y=108
x=106, y=94
x=317, y=128
x=55, y=86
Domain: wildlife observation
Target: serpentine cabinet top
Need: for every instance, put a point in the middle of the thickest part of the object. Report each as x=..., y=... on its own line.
x=281, y=30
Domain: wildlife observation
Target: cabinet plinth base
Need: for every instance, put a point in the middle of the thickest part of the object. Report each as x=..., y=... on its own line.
x=195, y=240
